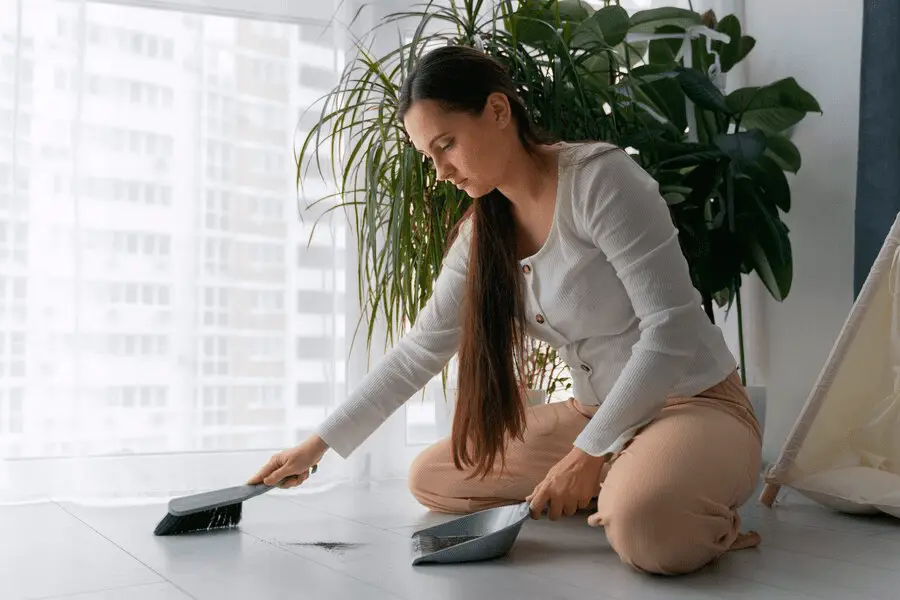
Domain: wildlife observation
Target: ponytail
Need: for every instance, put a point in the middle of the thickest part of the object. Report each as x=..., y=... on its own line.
x=490, y=408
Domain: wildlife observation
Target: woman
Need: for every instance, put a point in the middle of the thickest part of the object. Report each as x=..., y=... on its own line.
x=572, y=244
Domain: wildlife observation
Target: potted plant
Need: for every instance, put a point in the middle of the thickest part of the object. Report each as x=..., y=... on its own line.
x=726, y=186
x=546, y=374
x=726, y=181
x=584, y=74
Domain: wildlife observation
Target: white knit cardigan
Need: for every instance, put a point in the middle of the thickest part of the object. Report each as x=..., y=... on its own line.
x=609, y=288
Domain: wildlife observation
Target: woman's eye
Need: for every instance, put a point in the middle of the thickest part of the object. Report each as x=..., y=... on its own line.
x=447, y=146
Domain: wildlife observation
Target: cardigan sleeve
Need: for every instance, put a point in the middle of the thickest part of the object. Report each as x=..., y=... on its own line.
x=625, y=216
x=417, y=357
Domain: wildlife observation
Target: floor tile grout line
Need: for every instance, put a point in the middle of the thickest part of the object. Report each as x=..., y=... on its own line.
x=340, y=516
x=322, y=564
x=366, y=524
x=98, y=532
x=722, y=576
x=863, y=533
x=777, y=587
x=106, y=589
x=604, y=595
x=835, y=559
x=819, y=556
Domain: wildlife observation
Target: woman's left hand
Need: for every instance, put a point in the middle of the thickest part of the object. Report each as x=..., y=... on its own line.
x=569, y=486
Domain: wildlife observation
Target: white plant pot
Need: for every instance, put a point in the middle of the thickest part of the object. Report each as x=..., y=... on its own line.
x=443, y=409
x=443, y=412
x=757, y=395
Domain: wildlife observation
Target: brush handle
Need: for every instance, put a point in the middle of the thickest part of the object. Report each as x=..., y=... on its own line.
x=312, y=470
x=224, y=497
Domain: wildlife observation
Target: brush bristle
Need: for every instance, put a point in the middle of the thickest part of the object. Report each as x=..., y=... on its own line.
x=216, y=518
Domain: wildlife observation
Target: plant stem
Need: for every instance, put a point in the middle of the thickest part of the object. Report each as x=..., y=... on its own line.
x=708, y=306
x=740, y=323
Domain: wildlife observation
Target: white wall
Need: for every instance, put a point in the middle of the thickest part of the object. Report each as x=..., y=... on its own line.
x=817, y=42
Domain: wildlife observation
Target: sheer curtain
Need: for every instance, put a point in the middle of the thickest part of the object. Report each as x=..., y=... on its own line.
x=166, y=322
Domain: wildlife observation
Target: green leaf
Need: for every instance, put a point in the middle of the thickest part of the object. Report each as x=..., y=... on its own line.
x=770, y=251
x=571, y=10
x=737, y=48
x=772, y=119
x=742, y=147
x=533, y=31
x=680, y=189
x=660, y=88
x=539, y=23
x=783, y=151
x=773, y=107
x=674, y=198
x=605, y=28
x=703, y=180
x=690, y=159
x=542, y=23
x=746, y=45
x=664, y=51
x=776, y=184
x=769, y=180
x=698, y=87
x=596, y=66
x=713, y=253
x=648, y=21
x=614, y=24
x=764, y=239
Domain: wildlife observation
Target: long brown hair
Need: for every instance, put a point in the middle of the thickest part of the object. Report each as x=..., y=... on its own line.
x=490, y=409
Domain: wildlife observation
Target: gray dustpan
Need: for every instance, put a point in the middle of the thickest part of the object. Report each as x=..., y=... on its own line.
x=482, y=535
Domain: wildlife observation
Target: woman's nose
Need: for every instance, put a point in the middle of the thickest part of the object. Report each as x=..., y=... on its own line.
x=443, y=171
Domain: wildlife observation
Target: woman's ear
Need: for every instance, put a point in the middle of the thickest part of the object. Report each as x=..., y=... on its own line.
x=497, y=110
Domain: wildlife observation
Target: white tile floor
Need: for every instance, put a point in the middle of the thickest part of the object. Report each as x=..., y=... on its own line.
x=76, y=552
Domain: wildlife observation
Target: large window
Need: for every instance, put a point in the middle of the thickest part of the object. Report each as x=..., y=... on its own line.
x=155, y=280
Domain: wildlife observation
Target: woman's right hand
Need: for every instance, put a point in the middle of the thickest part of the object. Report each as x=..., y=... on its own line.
x=293, y=463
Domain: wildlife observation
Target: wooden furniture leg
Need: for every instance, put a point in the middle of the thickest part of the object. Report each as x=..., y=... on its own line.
x=769, y=493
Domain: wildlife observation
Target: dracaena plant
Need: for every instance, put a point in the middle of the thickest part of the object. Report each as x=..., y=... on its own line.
x=401, y=215
x=582, y=78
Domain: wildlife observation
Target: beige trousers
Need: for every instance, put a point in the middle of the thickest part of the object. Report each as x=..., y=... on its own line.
x=669, y=499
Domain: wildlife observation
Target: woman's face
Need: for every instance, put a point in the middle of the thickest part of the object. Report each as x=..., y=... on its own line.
x=470, y=151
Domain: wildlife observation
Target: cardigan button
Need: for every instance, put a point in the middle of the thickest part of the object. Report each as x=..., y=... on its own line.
x=526, y=269
x=585, y=367
x=539, y=318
